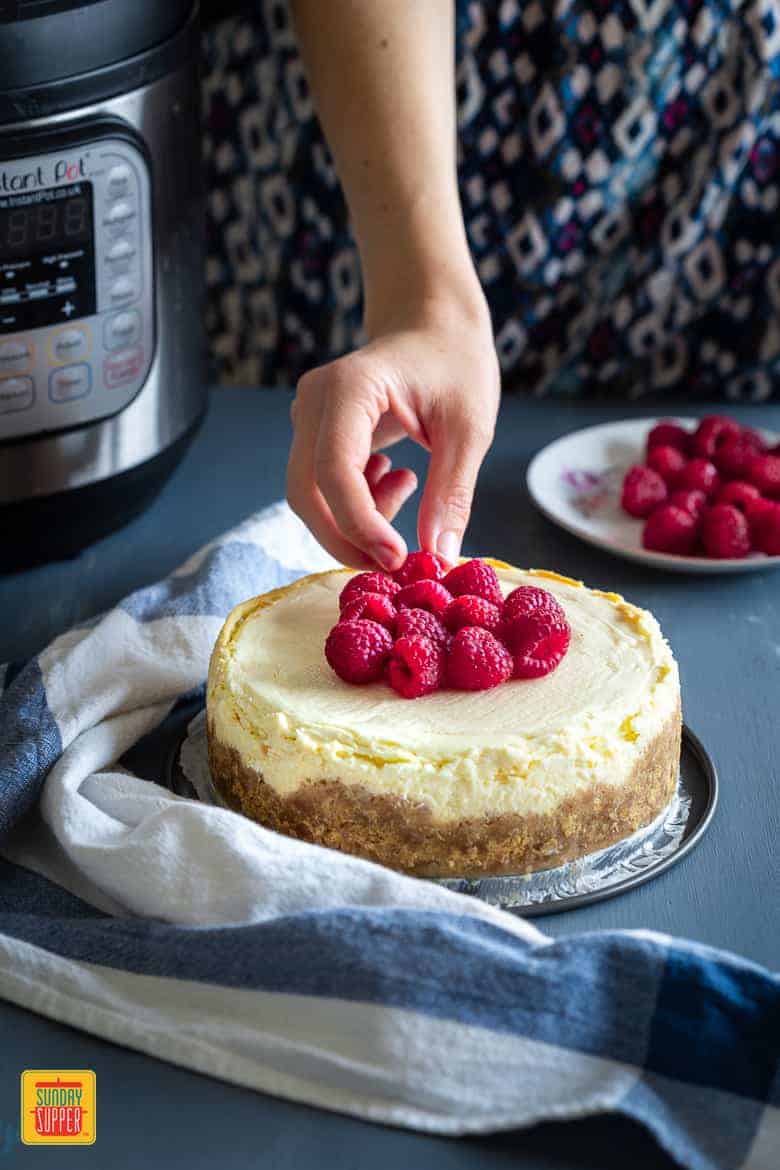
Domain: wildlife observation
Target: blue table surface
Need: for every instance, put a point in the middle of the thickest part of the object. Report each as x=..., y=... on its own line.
x=725, y=631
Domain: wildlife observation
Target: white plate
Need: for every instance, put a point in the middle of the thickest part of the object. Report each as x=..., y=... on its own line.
x=576, y=482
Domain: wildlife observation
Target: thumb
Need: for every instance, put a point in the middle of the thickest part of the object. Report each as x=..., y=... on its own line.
x=458, y=446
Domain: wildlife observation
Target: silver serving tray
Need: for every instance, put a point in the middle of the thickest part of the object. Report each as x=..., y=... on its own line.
x=604, y=874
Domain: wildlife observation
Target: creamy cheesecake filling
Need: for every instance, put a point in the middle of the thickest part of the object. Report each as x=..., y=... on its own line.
x=522, y=747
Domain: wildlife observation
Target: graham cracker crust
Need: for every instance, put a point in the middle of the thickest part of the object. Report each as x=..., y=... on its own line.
x=404, y=836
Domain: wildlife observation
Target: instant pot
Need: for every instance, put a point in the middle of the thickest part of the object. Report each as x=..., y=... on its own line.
x=101, y=264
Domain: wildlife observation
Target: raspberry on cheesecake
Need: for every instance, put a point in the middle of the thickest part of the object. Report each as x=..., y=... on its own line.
x=499, y=750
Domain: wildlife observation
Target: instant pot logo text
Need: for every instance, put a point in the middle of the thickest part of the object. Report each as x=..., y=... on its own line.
x=64, y=170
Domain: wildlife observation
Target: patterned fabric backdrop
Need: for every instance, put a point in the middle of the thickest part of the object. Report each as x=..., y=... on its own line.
x=620, y=180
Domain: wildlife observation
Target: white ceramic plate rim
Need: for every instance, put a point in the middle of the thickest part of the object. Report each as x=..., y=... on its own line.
x=554, y=505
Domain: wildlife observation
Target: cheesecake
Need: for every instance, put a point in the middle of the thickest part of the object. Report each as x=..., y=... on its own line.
x=517, y=778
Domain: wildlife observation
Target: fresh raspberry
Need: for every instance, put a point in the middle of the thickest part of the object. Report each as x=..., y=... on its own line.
x=758, y=505
x=699, y=476
x=416, y=666
x=725, y=533
x=410, y=622
x=420, y=566
x=755, y=513
x=357, y=651
x=537, y=642
x=738, y=493
x=765, y=528
x=669, y=434
x=692, y=501
x=764, y=472
x=430, y=595
x=476, y=660
x=643, y=490
x=530, y=599
x=712, y=432
x=733, y=457
x=671, y=530
x=468, y=610
x=668, y=462
x=372, y=607
x=367, y=583
x=758, y=442
x=475, y=577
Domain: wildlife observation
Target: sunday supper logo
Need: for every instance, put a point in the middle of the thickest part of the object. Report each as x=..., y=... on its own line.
x=58, y=1107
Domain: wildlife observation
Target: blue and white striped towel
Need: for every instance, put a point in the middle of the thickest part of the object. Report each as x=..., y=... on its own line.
x=187, y=932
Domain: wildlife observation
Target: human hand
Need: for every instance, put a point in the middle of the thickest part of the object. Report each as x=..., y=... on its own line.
x=432, y=376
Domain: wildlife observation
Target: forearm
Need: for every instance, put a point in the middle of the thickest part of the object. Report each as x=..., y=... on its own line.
x=382, y=75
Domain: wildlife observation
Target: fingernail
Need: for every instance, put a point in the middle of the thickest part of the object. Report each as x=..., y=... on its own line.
x=448, y=544
x=387, y=556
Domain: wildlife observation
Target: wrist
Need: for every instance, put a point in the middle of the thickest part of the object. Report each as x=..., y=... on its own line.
x=442, y=291
x=415, y=260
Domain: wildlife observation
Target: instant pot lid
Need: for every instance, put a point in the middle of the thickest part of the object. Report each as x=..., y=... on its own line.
x=43, y=41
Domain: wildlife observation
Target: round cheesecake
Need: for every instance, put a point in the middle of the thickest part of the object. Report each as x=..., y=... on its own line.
x=521, y=777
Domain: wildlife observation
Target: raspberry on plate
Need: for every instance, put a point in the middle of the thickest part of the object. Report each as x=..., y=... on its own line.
x=668, y=462
x=733, y=457
x=373, y=607
x=477, y=661
x=756, y=512
x=671, y=530
x=764, y=472
x=738, y=493
x=538, y=643
x=758, y=507
x=530, y=599
x=420, y=566
x=701, y=476
x=669, y=434
x=420, y=621
x=765, y=528
x=430, y=595
x=367, y=583
x=725, y=533
x=712, y=432
x=690, y=501
x=469, y=610
x=416, y=666
x=357, y=651
x=643, y=490
x=757, y=440
x=476, y=577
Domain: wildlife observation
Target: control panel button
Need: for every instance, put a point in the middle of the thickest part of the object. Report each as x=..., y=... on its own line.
x=122, y=289
x=122, y=368
x=118, y=182
x=16, y=394
x=122, y=329
x=120, y=256
x=70, y=344
x=120, y=216
x=70, y=382
x=15, y=355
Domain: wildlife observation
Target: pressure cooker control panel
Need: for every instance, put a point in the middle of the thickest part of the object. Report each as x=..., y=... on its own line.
x=76, y=285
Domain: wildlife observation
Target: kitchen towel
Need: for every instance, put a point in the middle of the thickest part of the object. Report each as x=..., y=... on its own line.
x=187, y=932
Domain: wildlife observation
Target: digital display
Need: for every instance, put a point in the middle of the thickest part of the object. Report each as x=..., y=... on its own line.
x=44, y=225
x=47, y=257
